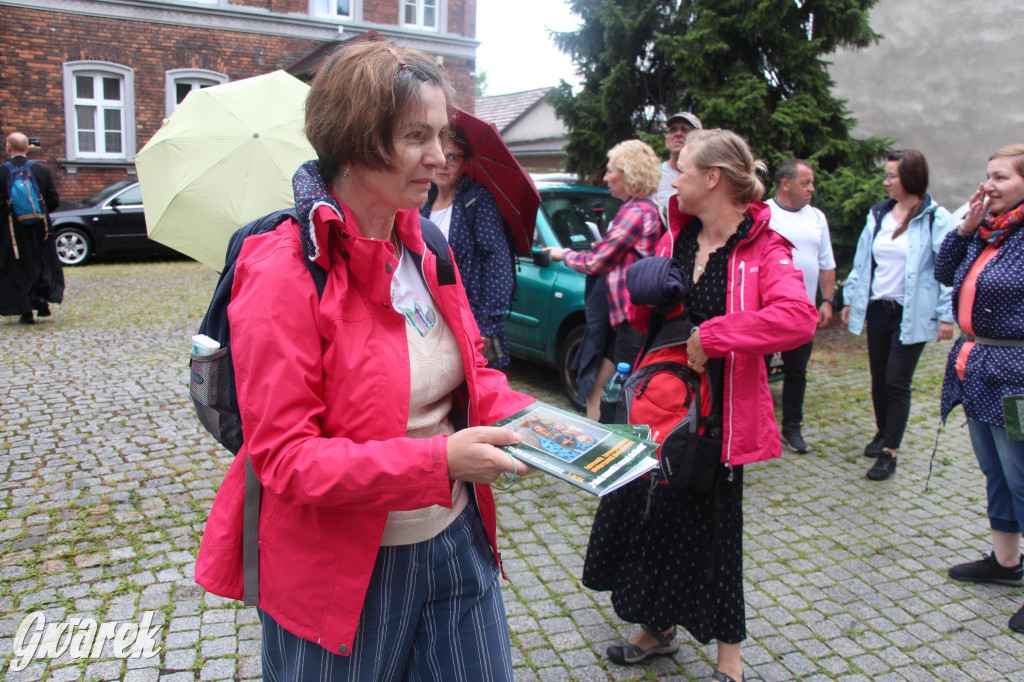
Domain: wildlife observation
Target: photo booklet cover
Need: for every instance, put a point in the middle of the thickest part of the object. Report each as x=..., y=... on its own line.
x=597, y=458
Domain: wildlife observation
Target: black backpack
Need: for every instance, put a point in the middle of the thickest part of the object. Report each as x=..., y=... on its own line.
x=212, y=383
x=212, y=380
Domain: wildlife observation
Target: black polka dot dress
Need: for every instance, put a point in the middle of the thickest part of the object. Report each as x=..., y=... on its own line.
x=657, y=569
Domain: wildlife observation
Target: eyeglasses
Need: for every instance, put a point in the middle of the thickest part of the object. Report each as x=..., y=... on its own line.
x=681, y=128
x=452, y=157
x=890, y=176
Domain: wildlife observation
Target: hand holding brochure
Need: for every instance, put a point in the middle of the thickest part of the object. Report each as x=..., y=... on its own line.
x=597, y=458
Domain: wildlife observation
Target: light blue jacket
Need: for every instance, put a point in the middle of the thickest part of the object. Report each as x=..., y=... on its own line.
x=925, y=301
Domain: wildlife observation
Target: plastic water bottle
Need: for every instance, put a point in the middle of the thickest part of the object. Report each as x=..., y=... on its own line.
x=613, y=389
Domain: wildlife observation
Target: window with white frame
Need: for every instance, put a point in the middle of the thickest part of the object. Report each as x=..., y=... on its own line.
x=180, y=82
x=334, y=8
x=421, y=13
x=99, y=111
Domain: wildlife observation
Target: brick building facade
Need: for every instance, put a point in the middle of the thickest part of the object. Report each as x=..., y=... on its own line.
x=92, y=80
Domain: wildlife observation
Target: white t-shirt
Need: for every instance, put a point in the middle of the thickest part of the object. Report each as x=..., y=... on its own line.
x=812, y=246
x=443, y=219
x=665, y=189
x=891, y=258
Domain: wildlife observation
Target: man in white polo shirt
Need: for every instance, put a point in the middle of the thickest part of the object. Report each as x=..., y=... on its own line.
x=678, y=126
x=794, y=218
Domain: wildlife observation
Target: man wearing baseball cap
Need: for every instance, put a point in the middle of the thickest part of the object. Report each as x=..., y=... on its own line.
x=678, y=127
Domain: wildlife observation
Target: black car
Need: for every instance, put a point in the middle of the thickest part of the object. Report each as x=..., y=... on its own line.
x=109, y=223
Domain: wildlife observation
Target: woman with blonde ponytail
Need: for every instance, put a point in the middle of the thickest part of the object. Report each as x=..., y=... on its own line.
x=671, y=557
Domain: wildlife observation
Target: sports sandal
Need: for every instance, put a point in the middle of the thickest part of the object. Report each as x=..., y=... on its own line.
x=719, y=676
x=625, y=653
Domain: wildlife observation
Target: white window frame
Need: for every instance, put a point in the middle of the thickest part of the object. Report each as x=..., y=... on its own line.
x=440, y=14
x=99, y=70
x=194, y=77
x=326, y=9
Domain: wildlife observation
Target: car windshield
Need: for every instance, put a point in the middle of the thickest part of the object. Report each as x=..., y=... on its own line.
x=579, y=219
x=107, y=192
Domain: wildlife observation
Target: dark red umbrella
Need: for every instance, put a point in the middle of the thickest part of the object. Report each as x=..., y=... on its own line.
x=493, y=166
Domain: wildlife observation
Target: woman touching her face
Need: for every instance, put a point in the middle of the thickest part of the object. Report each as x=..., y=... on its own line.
x=983, y=261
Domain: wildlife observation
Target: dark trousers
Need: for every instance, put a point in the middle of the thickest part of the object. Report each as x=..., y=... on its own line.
x=433, y=611
x=892, y=369
x=794, y=365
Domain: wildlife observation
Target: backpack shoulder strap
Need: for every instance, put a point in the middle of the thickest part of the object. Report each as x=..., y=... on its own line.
x=438, y=245
x=253, y=486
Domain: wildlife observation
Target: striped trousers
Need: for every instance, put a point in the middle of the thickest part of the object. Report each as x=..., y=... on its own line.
x=433, y=611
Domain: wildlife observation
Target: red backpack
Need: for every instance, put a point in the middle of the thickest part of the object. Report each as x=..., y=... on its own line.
x=678, y=404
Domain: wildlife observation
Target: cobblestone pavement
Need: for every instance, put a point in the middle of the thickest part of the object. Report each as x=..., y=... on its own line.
x=106, y=477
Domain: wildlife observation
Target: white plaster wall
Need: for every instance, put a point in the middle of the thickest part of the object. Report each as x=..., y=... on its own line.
x=539, y=123
x=945, y=79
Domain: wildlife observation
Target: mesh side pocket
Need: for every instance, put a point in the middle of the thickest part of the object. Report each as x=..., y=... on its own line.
x=212, y=388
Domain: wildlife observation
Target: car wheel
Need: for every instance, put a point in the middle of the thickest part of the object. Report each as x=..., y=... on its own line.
x=566, y=356
x=73, y=246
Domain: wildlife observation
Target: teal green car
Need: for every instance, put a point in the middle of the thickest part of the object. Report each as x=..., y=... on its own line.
x=545, y=325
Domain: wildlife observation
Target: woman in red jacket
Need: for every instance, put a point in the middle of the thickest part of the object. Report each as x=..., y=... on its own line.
x=377, y=552
x=753, y=302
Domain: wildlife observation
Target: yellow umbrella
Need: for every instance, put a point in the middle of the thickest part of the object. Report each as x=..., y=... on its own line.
x=223, y=158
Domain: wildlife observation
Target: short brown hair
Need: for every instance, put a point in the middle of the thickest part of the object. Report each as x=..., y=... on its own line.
x=1012, y=151
x=639, y=164
x=730, y=153
x=356, y=98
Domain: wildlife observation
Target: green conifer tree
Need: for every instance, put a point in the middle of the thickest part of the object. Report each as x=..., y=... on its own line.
x=755, y=66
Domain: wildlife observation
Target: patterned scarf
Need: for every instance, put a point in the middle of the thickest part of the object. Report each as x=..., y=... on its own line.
x=996, y=228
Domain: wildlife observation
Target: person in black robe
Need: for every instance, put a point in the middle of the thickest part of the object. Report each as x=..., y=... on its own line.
x=31, y=276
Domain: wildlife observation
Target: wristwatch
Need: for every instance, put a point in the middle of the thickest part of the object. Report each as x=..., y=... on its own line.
x=830, y=301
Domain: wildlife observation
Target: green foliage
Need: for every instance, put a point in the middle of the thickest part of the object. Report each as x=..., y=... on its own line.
x=754, y=66
x=480, y=83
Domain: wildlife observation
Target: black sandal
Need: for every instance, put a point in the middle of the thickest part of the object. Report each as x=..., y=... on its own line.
x=722, y=677
x=625, y=653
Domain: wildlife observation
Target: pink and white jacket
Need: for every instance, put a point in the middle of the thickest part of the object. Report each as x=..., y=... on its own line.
x=767, y=310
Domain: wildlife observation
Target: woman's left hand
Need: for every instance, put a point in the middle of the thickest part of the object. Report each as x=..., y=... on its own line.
x=697, y=358
x=945, y=331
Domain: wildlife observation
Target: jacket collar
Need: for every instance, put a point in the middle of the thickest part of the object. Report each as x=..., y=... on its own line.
x=678, y=221
x=881, y=208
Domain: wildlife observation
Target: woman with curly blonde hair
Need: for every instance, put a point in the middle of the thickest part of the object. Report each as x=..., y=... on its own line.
x=633, y=174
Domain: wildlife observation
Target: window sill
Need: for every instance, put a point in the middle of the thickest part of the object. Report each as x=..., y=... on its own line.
x=72, y=166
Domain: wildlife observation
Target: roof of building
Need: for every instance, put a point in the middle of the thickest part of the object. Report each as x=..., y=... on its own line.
x=503, y=110
x=307, y=65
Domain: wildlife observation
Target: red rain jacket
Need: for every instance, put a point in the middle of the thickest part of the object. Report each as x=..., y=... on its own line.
x=767, y=310
x=324, y=394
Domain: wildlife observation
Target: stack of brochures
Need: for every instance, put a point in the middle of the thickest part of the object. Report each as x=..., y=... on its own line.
x=594, y=457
